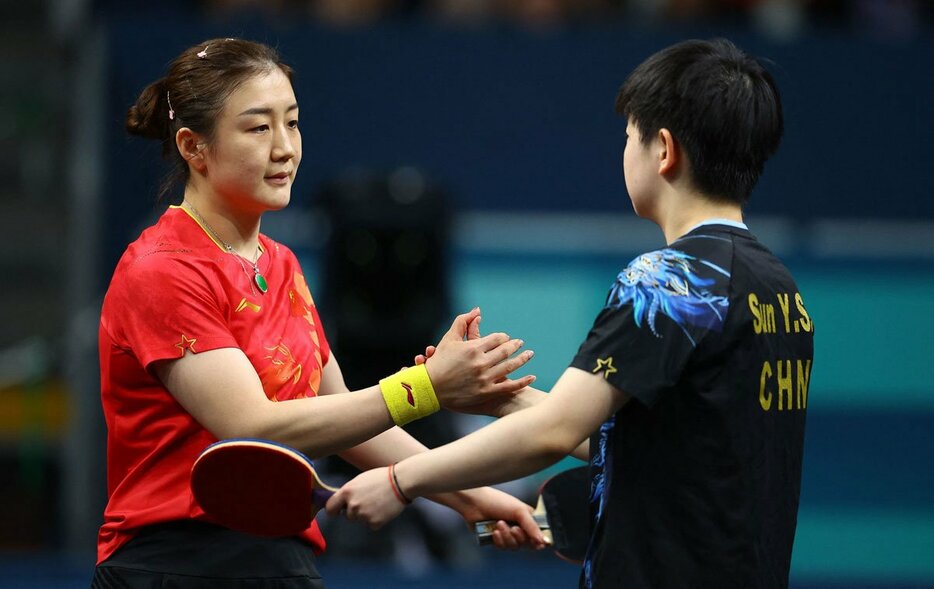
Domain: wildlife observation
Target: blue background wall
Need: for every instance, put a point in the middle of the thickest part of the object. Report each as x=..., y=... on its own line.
x=513, y=120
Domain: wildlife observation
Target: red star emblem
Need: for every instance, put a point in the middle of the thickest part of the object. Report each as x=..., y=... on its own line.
x=187, y=344
x=409, y=396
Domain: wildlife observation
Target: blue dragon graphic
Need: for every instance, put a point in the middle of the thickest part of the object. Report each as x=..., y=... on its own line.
x=665, y=280
x=598, y=489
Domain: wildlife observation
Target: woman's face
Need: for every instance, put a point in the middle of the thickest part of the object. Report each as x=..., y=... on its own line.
x=254, y=155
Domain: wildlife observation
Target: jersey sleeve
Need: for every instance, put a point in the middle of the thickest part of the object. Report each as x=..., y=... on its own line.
x=658, y=310
x=166, y=307
x=303, y=304
x=322, y=341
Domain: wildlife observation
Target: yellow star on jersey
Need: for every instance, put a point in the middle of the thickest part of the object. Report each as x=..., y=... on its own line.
x=606, y=365
x=187, y=344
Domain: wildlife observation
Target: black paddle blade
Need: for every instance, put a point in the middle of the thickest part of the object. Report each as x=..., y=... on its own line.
x=566, y=497
x=562, y=513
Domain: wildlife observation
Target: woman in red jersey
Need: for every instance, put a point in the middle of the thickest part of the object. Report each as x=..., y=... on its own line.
x=209, y=331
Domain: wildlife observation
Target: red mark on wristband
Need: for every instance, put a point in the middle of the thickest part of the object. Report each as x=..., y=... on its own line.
x=409, y=396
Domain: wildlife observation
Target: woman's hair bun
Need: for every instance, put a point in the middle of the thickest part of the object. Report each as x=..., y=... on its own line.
x=149, y=115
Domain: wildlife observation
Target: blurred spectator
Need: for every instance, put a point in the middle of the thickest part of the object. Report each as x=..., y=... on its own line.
x=529, y=14
x=543, y=14
x=776, y=18
x=459, y=12
x=889, y=19
x=353, y=13
x=229, y=8
x=688, y=10
x=779, y=19
x=828, y=13
x=223, y=6
x=657, y=11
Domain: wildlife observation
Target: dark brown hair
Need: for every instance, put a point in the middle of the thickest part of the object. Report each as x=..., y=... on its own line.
x=197, y=85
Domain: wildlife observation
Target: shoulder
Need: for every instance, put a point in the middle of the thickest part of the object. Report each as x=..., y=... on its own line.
x=677, y=270
x=690, y=290
x=155, y=267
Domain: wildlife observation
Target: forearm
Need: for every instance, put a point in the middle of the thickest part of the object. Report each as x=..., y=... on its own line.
x=512, y=447
x=324, y=425
x=523, y=399
x=518, y=444
x=222, y=391
x=529, y=397
x=392, y=446
x=356, y=425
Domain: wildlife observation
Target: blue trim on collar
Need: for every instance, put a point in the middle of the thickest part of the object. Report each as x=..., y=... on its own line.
x=727, y=222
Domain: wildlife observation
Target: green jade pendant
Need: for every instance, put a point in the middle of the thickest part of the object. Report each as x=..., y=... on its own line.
x=260, y=281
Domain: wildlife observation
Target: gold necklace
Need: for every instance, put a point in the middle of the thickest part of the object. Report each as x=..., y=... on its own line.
x=258, y=278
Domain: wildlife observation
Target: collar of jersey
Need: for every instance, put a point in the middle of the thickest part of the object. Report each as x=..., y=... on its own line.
x=727, y=222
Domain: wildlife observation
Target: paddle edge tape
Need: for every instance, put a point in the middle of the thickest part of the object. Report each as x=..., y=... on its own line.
x=263, y=443
x=256, y=442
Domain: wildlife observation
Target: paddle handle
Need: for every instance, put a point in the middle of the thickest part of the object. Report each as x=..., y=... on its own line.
x=484, y=529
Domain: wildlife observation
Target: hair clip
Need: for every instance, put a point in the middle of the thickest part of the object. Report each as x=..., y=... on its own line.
x=203, y=53
x=171, y=111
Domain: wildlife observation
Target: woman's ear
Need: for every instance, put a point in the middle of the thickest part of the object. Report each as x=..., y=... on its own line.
x=669, y=152
x=191, y=146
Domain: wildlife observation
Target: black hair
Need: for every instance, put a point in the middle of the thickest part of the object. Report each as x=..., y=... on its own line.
x=721, y=105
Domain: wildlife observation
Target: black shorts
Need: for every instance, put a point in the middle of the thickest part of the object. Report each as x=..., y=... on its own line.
x=197, y=555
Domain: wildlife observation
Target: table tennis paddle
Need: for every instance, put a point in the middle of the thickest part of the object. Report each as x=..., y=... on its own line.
x=562, y=513
x=259, y=487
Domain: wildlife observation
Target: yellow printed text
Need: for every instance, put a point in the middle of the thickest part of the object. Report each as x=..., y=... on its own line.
x=763, y=315
x=784, y=384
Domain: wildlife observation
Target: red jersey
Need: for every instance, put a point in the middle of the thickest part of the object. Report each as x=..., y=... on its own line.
x=177, y=290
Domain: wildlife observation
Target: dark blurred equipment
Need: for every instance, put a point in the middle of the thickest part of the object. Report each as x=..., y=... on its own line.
x=385, y=297
x=385, y=277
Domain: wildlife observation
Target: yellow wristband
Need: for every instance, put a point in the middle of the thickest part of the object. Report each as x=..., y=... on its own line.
x=409, y=394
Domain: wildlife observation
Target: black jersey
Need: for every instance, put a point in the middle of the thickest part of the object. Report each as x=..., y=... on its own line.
x=695, y=481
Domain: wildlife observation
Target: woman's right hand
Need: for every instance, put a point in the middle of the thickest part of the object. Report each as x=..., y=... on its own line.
x=470, y=376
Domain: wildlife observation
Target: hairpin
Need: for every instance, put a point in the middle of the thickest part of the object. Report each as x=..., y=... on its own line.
x=171, y=111
x=203, y=53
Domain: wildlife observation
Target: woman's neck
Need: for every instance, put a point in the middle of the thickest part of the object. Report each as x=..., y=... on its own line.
x=690, y=211
x=237, y=234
